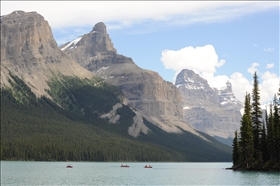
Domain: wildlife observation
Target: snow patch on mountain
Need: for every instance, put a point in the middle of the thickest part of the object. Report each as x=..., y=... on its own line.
x=215, y=111
x=72, y=44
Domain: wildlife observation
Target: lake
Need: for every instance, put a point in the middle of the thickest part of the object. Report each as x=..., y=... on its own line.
x=100, y=173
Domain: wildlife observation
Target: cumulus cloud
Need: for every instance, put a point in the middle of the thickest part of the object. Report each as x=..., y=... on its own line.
x=218, y=81
x=270, y=65
x=269, y=49
x=268, y=87
x=240, y=85
x=253, y=68
x=202, y=60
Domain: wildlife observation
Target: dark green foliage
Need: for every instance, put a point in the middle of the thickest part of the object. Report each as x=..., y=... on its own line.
x=190, y=146
x=84, y=97
x=40, y=132
x=235, y=150
x=263, y=144
x=276, y=121
x=20, y=91
x=266, y=137
x=271, y=135
x=256, y=119
x=39, y=129
x=246, y=136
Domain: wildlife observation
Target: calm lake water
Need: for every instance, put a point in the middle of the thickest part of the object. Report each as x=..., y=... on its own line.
x=92, y=173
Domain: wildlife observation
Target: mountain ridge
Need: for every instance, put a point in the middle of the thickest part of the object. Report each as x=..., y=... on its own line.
x=145, y=90
x=35, y=65
x=213, y=111
x=29, y=50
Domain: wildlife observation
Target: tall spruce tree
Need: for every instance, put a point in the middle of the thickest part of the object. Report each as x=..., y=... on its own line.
x=235, y=150
x=276, y=122
x=256, y=119
x=270, y=134
x=246, y=136
x=264, y=149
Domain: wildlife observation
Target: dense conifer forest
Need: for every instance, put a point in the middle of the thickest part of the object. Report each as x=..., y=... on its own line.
x=70, y=128
x=257, y=146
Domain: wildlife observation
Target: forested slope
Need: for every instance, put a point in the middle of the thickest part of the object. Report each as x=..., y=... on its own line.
x=39, y=129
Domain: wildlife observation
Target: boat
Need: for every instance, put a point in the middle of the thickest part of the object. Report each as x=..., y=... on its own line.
x=148, y=166
x=124, y=166
x=69, y=166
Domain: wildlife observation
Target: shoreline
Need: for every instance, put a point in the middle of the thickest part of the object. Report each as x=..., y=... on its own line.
x=252, y=170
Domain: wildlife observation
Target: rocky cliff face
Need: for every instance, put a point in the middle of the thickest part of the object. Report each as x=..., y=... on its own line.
x=29, y=51
x=146, y=90
x=216, y=112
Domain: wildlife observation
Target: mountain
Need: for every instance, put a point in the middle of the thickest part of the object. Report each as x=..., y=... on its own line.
x=159, y=100
x=55, y=109
x=215, y=112
x=29, y=50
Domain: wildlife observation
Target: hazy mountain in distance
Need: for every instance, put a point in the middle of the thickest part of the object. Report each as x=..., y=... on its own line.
x=215, y=112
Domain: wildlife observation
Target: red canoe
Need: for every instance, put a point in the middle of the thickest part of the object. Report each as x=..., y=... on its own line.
x=69, y=166
x=148, y=166
x=124, y=166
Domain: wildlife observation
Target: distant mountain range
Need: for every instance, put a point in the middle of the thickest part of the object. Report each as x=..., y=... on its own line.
x=99, y=93
x=215, y=112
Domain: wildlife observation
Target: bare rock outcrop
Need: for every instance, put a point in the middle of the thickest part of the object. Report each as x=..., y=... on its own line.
x=29, y=51
x=157, y=99
x=215, y=112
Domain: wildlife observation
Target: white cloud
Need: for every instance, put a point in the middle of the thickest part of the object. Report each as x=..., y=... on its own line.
x=253, y=68
x=219, y=81
x=240, y=85
x=202, y=60
x=270, y=65
x=268, y=87
x=122, y=14
x=269, y=49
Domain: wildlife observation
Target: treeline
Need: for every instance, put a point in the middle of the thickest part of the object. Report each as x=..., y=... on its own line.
x=70, y=128
x=257, y=146
x=38, y=132
x=38, y=129
x=85, y=97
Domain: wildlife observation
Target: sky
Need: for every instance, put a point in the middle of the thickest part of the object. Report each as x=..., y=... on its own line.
x=220, y=40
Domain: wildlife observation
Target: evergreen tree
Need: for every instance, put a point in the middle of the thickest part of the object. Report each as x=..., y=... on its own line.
x=256, y=119
x=276, y=122
x=271, y=135
x=246, y=132
x=235, y=150
x=264, y=144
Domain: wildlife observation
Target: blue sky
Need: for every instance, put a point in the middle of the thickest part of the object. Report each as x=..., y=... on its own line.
x=222, y=41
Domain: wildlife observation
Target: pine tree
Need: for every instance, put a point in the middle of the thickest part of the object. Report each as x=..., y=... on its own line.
x=235, y=150
x=246, y=136
x=271, y=134
x=276, y=122
x=264, y=149
x=256, y=119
